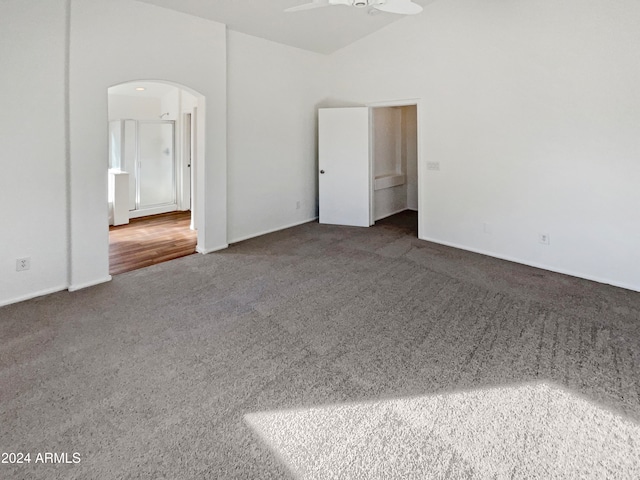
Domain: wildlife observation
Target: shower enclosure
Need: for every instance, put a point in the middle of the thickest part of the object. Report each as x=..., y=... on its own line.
x=145, y=150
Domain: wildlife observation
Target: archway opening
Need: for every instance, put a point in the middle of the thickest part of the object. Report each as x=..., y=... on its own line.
x=153, y=156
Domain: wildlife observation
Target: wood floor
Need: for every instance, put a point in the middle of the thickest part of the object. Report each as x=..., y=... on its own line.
x=150, y=240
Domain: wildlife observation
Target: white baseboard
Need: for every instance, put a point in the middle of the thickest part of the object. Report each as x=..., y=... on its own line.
x=80, y=286
x=29, y=296
x=635, y=288
x=392, y=213
x=146, y=212
x=253, y=235
x=206, y=251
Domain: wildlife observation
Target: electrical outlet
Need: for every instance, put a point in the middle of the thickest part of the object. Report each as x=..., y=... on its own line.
x=543, y=238
x=433, y=166
x=298, y=205
x=23, y=264
x=487, y=228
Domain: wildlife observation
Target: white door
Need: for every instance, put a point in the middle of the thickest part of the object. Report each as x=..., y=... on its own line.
x=344, y=179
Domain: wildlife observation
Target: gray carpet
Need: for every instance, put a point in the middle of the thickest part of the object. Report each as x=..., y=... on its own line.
x=326, y=352
x=528, y=431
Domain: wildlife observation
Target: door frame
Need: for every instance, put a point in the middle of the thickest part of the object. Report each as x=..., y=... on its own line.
x=187, y=145
x=407, y=102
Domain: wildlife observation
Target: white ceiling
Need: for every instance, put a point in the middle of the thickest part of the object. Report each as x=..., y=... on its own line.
x=322, y=30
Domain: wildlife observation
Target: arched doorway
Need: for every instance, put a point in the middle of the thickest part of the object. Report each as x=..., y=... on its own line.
x=153, y=152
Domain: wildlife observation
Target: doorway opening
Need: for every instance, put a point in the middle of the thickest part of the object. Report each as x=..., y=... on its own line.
x=151, y=179
x=394, y=164
x=369, y=163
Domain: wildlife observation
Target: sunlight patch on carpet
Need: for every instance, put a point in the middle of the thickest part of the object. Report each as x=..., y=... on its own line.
x=530, y=431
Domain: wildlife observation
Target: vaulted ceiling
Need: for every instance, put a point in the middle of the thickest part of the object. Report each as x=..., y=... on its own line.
x=322, y=30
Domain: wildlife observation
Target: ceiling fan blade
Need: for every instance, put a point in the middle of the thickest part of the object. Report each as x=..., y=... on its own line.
x=309, y=6
x=401, y=7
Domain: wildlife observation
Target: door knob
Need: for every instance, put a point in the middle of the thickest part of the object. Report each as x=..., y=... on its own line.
x=321, y=171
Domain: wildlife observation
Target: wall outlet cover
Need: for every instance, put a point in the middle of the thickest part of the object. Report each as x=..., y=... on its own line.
x=433, y=166
x=23, y=264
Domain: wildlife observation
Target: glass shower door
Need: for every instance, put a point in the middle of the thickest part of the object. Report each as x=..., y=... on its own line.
x=156, y=164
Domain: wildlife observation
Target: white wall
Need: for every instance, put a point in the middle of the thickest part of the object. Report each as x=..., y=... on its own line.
x=387, y=140
x=33, y=219
x=532, y=110
x=136, y=108
x=387, y=152
x=388, y=201
x=273, y=93
x=275, y=90
x=110, y=44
